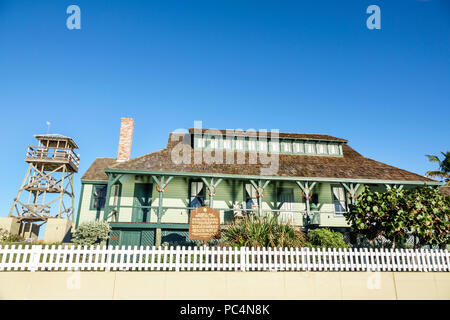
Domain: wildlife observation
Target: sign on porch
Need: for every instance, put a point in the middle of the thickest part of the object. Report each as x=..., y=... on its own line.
x=204, y=223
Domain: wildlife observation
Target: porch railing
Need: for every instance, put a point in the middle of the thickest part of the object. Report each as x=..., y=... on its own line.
x=311, y=218
x=109, y=258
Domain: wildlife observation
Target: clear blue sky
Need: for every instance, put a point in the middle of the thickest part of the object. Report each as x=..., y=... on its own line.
x=296, y=66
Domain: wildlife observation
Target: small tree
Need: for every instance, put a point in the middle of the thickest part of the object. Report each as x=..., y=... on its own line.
x=89, y=233
x=324, y=238
x=396, y=214
x=427, y=216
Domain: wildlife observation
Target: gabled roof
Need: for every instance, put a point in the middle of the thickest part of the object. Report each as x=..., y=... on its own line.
x=96, y=171
x=351, y=165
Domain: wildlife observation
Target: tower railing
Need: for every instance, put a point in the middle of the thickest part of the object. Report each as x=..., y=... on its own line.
x=52, y=154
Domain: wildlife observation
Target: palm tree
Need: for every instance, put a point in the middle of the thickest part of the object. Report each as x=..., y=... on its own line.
x=444, y=167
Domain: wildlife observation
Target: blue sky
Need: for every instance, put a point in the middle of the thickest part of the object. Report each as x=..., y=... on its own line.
x=296, y=66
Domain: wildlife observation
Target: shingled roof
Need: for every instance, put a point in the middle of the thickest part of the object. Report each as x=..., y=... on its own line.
x=351, y=165
x=445, y=191
x=96, y=171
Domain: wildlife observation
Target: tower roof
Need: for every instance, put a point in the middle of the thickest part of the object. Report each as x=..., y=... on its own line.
x=56, y=136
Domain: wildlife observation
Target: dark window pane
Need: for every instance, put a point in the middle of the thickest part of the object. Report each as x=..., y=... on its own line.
x=99, y=195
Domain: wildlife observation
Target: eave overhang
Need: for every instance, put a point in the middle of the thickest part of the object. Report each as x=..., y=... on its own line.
x=275, y=178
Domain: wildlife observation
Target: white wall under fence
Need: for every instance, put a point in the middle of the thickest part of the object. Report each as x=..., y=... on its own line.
x=109, y=258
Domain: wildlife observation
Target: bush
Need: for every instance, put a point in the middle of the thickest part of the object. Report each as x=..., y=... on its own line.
x=6, y=237
x=397, y=214
x=324, y=238
x=89, y=233
x=262, y=232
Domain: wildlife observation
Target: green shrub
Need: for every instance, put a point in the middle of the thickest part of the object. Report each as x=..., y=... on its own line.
x=324, y=238
x=262, y=232
x=89, y=233
x=398, y=213
x=6, y=237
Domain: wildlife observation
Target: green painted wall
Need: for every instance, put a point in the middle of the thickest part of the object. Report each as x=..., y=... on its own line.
x=228, y=192
x=85, y=213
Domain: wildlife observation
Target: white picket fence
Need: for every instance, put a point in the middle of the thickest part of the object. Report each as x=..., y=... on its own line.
x=83, y=258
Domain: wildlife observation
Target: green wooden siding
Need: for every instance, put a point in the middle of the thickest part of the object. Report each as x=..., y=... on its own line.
x=228, y=192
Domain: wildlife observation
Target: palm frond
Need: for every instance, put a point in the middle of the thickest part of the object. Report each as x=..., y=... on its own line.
x=435, y=173
x=432, y=158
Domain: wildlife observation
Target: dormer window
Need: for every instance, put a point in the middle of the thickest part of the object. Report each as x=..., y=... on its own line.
x=274, y=146
x=286, y=145
x=239, y=144
x=214, y=143
x=310, y=148
x=228, y=144
x=321, y=148
x=298, y=147
x=251, y=145
x=333, y=149
x=263, y=146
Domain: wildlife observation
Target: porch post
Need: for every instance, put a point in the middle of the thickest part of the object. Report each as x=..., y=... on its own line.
x=307, y=190
x=260, y=191
x=211, y=188
x=352, y=189
x=112, y=179
x=161, y=187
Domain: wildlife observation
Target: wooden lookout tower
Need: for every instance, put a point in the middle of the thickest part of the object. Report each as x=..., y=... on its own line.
x=46, y=193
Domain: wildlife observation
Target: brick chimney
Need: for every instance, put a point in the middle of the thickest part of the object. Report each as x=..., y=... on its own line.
x=125, y=140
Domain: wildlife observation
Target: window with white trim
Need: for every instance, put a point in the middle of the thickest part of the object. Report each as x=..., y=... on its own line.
x=239, y=144
x=251, y=196
x=339, y=200
x=274, y=146
x=333, y=149
x=298, y=147
x=214, y=143
x=310, y=148
x=286, y=146
x=228, y=144
x=321, y=148
x=251, y=145
x=197, y=196
x=262, y=146
x=200, y=142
